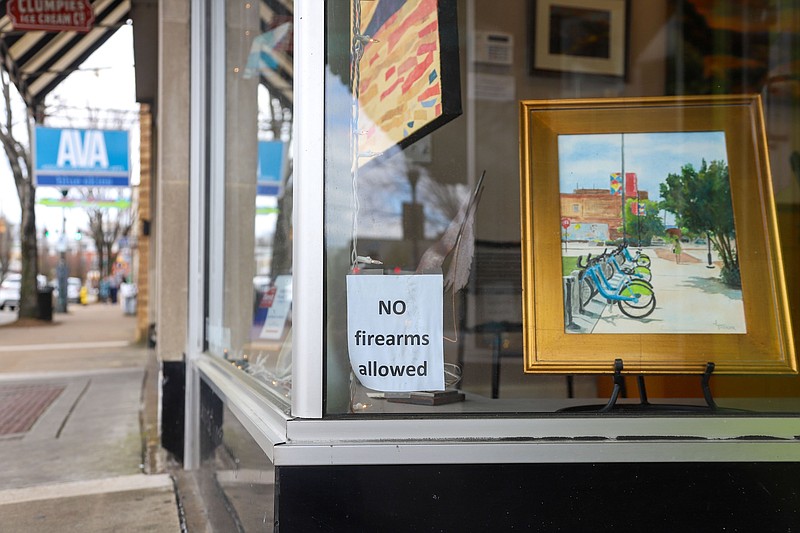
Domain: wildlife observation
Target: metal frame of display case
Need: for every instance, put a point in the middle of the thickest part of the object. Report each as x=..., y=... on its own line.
x=477, y=431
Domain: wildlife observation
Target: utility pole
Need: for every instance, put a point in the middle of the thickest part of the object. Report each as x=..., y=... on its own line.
x=624, y=184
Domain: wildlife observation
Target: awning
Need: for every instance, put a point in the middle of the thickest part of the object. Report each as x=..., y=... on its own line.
x=38, y=61
x=270, y=57
x=278, y=75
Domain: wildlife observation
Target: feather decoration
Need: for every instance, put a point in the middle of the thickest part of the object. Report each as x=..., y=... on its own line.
x=458, y=240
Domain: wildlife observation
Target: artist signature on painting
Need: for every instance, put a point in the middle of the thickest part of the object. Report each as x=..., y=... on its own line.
x=725, y=327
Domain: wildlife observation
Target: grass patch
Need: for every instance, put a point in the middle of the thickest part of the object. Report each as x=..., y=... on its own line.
x=568, y=264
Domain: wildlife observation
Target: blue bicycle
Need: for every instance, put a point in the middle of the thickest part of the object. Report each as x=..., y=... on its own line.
x=609, y=269
x=634, y=297
x=640, y=258
x=636, y=271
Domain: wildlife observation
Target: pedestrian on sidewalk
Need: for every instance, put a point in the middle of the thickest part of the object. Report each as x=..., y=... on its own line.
x=113, y=289
x=677, y=249
x=104, y=290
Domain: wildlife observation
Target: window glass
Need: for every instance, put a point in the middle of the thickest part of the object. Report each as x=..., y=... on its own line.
x=438, y=85
x=235, y=478
x=250, y=248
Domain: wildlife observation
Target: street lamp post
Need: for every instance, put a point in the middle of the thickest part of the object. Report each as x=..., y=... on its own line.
x=708, y=241
x=62, y=271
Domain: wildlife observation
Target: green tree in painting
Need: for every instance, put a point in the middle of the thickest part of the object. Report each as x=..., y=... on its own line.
x=701, y=201
x=642, y=223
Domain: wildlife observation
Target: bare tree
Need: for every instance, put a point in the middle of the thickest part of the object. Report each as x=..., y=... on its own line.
x=6, y=240
x=444, y=201
x=19, y=160
x=106, y=226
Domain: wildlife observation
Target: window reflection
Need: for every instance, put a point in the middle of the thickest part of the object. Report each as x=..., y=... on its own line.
x=236, y=479
x=249, y=321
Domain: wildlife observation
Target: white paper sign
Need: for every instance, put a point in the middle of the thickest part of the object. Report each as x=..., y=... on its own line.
x=394, y=328
x=279, y=309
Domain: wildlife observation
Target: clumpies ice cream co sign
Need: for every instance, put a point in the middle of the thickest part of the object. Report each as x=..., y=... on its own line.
x=51, y=15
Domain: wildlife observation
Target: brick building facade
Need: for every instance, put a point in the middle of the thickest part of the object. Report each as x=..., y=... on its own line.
x=595, y=206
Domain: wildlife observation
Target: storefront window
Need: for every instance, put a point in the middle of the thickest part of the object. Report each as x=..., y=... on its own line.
x=250, y=248
x=423, y=173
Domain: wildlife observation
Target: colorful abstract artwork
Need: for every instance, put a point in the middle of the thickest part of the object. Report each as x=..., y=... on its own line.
x=409, y=73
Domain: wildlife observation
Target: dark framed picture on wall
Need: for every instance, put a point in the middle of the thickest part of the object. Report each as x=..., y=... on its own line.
x=580, y=36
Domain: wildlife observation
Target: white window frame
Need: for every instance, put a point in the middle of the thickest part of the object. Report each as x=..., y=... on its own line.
x=308, y=219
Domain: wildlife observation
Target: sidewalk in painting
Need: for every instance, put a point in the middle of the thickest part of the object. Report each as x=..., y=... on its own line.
x=690, y=298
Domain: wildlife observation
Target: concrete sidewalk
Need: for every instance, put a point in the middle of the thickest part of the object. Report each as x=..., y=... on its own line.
x=76, y=425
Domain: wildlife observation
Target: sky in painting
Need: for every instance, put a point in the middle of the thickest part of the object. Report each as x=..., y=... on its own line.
x=587, y=161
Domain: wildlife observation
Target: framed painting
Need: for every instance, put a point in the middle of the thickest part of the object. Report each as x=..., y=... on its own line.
x=649, y=234
x=408, y=80
x=581, y=36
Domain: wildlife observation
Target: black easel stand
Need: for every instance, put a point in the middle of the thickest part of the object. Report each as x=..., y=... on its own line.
x=619, y=385
x=706, y=389
x=644, y=404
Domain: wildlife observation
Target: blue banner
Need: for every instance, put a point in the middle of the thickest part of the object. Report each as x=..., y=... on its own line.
x=70, y=157
x=271, y=155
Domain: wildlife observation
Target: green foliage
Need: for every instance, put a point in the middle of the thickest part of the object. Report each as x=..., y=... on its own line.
x=701, y=201
x=731, y=277
x=640, y=230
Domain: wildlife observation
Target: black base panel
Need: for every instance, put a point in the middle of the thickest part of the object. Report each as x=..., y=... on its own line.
x=648, y=497
x=173, y=395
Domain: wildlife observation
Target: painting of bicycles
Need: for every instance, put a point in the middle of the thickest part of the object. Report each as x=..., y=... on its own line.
x=657, y=240
x=649, y=235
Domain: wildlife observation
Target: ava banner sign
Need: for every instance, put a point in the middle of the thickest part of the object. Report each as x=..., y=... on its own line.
x=81, y=158
x=394, y=327
x=51, y=15
x=271, y=155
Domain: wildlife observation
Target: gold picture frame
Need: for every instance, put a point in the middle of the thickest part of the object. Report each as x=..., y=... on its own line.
x=759, y=341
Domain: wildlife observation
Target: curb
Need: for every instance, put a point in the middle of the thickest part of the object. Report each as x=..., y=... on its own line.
x=86, y=488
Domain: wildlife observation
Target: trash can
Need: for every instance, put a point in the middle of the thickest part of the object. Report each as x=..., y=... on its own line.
x=45, y=303
x=130, y=305
x=127, y=292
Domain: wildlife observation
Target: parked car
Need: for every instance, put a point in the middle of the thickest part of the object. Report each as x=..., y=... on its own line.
x=9, y=291
x=73, y=289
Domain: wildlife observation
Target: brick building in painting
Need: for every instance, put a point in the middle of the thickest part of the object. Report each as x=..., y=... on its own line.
x=596, y=206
